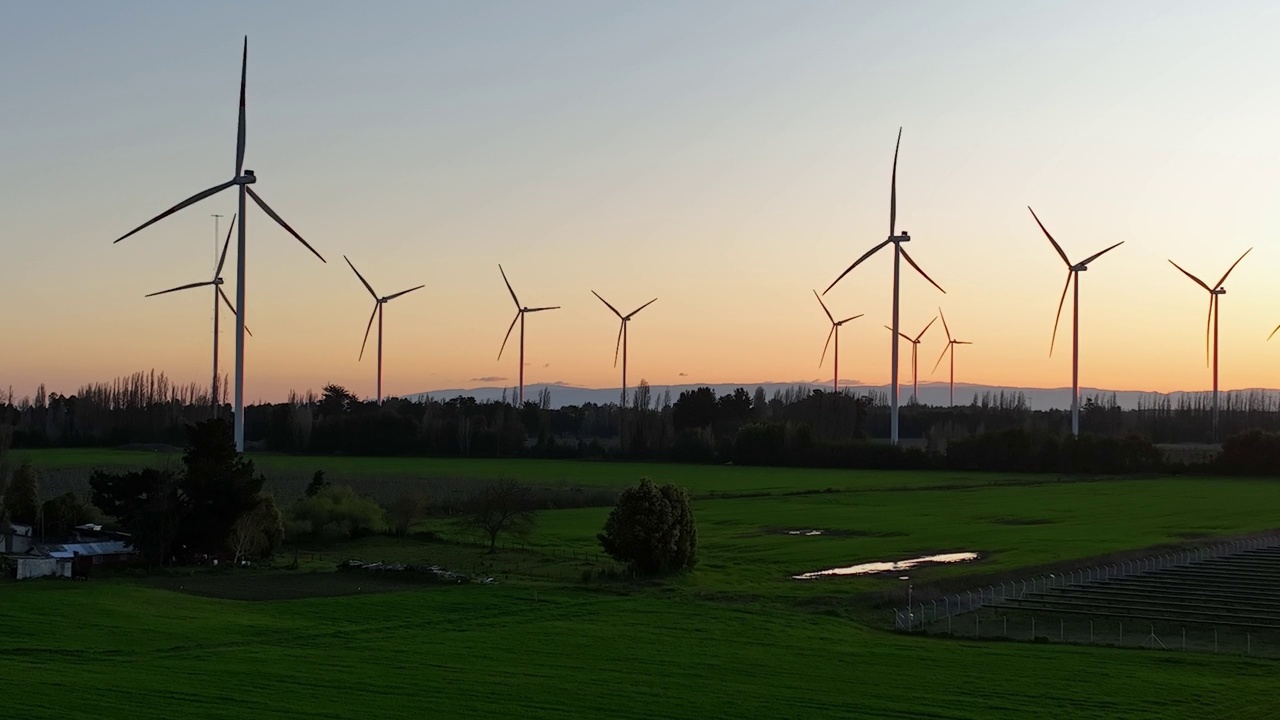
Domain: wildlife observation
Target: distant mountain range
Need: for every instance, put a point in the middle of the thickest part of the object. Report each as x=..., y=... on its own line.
x=930, y=393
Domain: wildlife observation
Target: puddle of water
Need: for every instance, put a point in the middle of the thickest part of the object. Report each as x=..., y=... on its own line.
x=804, y=532
x=872, y=568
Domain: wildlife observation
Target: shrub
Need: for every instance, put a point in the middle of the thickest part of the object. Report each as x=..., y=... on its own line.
x=652, y=529
x=335, y=513
x=1251, y=453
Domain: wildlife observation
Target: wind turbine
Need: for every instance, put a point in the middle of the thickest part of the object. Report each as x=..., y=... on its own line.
x=622, y=341
x=1214, y=293
x=1073, y=279
x=520, y=313
x=378, y=302
x=218, y=292
x=950, y=348
x=241, y=180
x=915, y=346
x=835, y=331
x=898, y=252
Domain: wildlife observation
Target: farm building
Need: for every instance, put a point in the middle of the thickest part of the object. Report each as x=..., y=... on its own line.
x=71, y=559
x=15, y=539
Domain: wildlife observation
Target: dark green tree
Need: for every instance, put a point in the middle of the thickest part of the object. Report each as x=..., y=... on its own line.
x=317, y=484
x=218, y=488
x=61, y=514
x=22, y=496
x=652, y=529
x=147, y=504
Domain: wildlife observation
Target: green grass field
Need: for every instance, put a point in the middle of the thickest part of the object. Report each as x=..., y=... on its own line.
x=736, y=638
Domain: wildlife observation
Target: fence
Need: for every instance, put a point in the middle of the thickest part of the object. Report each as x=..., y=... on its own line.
x=1217, y=598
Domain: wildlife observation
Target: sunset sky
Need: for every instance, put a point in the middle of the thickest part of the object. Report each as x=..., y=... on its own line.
x=727, y=158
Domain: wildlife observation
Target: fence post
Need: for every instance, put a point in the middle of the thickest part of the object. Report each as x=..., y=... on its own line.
x=948, y=624
x=1033, y=628
x=1062, y=630
x=935, y=611
x=1215, y=640
x=1005, y=632
x=1121, y=633
x=1248, y=644
x=946, y=605
x=977, y=623
x=1184, y=637
x=1090, y=631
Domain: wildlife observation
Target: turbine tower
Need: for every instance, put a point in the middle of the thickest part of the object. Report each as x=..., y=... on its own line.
x=241, y=180
x=899, y=252
x=835, y=331
x=950, y=348
x=1073, y=280
x=622, y=341
x=915, y=346
x=1215, y=292
x=218, y=293
x=520, y=313
x=378, y=303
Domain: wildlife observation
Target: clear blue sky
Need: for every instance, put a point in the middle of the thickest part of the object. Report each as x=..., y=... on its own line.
x=725, y=157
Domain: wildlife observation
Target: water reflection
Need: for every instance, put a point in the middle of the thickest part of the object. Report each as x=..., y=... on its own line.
x=872, y=568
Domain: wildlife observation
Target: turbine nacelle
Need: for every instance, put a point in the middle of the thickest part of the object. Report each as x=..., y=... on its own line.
x=248, y=178
x=901, y=237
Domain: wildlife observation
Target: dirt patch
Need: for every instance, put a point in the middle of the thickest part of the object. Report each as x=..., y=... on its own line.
x=282, y=586
x=1021, y=521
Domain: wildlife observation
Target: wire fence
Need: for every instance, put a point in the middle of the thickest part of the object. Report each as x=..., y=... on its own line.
x=1223, y=598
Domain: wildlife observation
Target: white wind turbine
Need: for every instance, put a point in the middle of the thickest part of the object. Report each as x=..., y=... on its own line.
x=1073, y=279
x=898, y=252
x=378, y=303
x=915, y=347
x=218, y=293
x=622, y=341
x=835, y=332
x=241, y=180
x=1215, y=292
x=521, y=311
x=950, y=348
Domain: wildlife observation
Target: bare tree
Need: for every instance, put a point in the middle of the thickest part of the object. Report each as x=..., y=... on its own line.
x=407, y=509
x=257, y=532
x=502, y=506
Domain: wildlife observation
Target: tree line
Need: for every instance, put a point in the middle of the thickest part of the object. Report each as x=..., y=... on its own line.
x=795, y=426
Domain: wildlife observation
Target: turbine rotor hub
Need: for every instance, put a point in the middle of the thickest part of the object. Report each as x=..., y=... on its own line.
x=248, y=178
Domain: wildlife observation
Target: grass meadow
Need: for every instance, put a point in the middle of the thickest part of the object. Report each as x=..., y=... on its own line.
x=736, y=638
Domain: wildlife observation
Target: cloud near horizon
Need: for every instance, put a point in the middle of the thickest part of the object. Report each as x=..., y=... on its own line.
x=488, y=378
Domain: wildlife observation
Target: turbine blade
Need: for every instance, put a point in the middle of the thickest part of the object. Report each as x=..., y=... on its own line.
x=1097, y=255
x=244, y=66
x=824, y=306
x=893, y=186
x=1056, y=246
x=944, y=354
x=633, y=312
x=508, y=335
x=963, y=342
x=827, y=345
x=926, y=329
x=230, y=306
x=1197, y=280
x=913, y=264
x=618, y=346
x=606, y=302
x=540, y=309
x=402, y=292
x=1273, y=332
x=508, y=282
x=364, y=282
x=944, y=324
x=181, y=287
x=1233, y=267
x=1056, y=318
x=855, y=264
x=189, y=201
x=367, y=328
x=222, y=259
x=855, y=317
x=267, y=209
